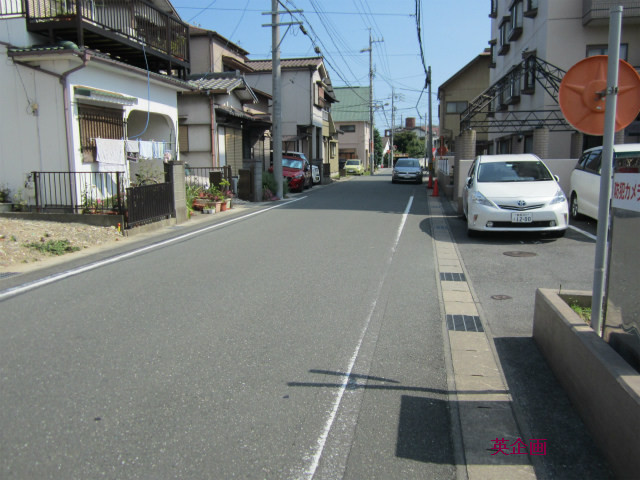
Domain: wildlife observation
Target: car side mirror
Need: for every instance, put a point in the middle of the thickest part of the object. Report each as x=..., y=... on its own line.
x=557, y=178
x=469, y=182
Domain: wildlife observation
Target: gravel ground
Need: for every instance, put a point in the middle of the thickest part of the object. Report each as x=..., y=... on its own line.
x=16, y=234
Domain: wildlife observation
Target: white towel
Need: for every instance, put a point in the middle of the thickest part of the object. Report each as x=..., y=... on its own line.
x=110, y=151
x=132, y=146
x=158, y=150
x=146, y=149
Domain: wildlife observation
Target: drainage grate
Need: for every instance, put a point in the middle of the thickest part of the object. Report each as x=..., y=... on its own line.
x=8, y=274
x=452, y=277
x=464, y=323
x=520, y=254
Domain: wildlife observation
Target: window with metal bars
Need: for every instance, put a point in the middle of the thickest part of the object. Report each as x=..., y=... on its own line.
x=98, y=122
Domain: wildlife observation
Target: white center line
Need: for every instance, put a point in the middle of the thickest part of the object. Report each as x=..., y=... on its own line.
x=322, y=440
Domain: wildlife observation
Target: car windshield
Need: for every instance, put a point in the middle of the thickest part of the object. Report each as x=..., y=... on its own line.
x=513, y=172
x=353, y=162
x=292, y=163
x=406, y=162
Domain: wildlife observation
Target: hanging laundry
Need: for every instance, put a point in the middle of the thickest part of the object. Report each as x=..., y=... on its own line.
x=158, y=150
x=132, y=146
x=110, y=151
x=146, y=149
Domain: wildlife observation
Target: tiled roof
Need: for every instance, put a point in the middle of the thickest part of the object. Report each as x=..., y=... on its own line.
x=288, y=63
x=352, y=106
x=226, y=84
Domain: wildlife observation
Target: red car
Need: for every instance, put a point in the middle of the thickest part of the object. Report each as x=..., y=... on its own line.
x=297, y=171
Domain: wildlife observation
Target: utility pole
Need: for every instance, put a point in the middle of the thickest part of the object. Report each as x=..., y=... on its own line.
x=276, y=139
x=276, y=78
x=393, y=112
x=371, y=145
x=430, y=141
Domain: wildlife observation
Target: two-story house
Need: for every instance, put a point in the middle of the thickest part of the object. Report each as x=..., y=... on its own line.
x=223, y=121
x=352, y=118
x=307, y=98
x=454, y=96
x=79, y=80
x=533, y=43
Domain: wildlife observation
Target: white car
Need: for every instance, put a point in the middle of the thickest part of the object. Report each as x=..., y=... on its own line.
x=585, y=177
x=513, y=193
x=315, y=174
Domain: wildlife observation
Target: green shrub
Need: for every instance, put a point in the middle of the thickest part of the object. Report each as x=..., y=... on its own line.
x=53, y=247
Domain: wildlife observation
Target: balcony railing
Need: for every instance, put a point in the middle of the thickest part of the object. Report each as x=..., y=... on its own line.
x=111, y=26
x=596, y=12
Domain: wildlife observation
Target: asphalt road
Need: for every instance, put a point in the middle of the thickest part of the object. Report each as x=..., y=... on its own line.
x=303, y=341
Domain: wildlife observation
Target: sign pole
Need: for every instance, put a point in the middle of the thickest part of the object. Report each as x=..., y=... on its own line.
x=599, y=275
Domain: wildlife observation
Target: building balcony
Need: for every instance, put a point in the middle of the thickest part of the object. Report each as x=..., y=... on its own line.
x=132, y=31
x=596, y=12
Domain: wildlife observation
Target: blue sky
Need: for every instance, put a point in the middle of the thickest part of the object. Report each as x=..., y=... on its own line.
x=453, y=32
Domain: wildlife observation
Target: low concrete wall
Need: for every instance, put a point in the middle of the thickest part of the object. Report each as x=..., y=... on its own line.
x=95, y=220
x=604, y=389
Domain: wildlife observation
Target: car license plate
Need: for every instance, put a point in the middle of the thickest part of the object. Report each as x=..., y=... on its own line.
x=521, y=218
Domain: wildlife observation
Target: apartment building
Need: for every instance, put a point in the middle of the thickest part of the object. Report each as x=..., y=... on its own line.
x=533, y=43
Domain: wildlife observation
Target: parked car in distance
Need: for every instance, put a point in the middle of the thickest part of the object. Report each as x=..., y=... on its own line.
x=407, y=170
x=297, y=171
x=513, y=193
x=585, y=177
x=315, y=174
x=354, y=166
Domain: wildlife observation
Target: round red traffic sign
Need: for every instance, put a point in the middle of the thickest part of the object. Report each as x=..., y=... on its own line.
x=582, y=95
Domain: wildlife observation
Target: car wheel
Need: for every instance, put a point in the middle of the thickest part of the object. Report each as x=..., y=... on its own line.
x=393, y=180
x=573, y=208
x=419, y=181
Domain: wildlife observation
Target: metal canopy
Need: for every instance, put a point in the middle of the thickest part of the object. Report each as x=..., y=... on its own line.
x=489, y=112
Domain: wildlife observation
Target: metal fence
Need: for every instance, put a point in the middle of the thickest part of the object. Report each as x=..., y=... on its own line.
x=201, y=176
x=11, y=8
x=149, y=203
x=77, y=192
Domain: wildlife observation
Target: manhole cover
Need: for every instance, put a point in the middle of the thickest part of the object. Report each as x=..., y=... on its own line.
x=501, y=297
x=520, y=254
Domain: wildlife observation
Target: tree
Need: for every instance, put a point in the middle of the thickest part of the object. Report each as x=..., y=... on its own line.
x=409, y=144
x=377, y=146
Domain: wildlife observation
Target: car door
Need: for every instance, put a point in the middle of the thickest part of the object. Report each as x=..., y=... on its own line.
x=590, y=185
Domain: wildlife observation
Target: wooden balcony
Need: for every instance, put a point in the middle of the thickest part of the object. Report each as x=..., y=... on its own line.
x=128, y=30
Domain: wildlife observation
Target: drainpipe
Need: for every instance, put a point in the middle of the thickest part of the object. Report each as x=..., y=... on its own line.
x=213, y=130
x=66, y=98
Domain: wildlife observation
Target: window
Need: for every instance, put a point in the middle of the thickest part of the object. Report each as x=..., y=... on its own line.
x=494, y=9
x=333, y=149
x=529, y=83
x=505, y=27
x=183, y=138
x=604, y=50
x=592, y=163
x=492, y=49
x=531, y=9
x=504, y=146
x=513, y=88
x=97, y=122
x=516, y=20
x=348, y=128
x=457, y=107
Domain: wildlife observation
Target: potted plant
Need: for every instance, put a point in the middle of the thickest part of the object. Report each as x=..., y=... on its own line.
x=227, y=193
x=5, y=197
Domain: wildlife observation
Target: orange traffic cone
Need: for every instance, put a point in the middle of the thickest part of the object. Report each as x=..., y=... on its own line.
x=435, y=188
x=430, y=184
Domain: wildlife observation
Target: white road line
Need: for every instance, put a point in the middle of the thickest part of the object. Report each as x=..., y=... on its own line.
x=322, y=440
x=11, y=292
x=586, y=234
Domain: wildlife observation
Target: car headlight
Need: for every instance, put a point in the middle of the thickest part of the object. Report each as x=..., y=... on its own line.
x=299, y=175
x=480, y=199
x=558, y=198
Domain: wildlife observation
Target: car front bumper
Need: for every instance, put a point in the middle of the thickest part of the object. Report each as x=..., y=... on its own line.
x=406, y=176
x=551, y=218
